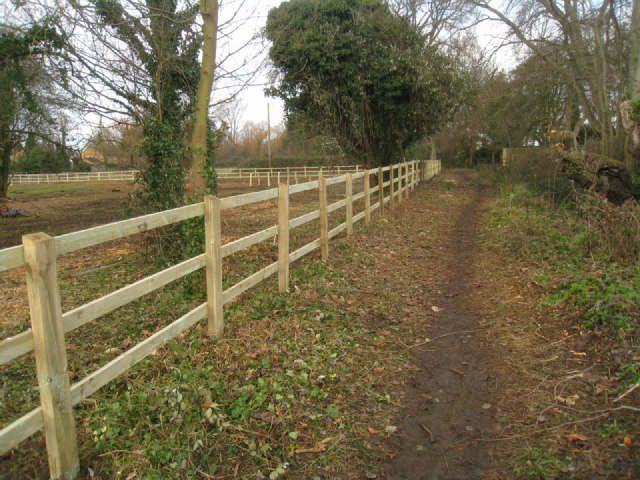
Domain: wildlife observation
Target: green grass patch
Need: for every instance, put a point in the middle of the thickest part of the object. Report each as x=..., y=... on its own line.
x=25, y=192
x=573, y=262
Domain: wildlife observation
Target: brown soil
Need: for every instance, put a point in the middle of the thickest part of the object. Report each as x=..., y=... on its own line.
x=426, y=252
x=55, y=214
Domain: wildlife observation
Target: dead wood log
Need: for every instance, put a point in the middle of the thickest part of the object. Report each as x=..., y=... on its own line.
x=595, y=172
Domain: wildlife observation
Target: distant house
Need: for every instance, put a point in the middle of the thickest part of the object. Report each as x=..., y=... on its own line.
x=17, y=154
x=92, y=157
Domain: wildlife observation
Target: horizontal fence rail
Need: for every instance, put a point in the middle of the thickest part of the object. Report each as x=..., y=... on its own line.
x=252, y=174
x=73, y=177
x=39, y=254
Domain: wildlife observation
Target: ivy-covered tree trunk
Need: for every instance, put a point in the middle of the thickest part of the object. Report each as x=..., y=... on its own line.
x=5, y=160
x=198, y=174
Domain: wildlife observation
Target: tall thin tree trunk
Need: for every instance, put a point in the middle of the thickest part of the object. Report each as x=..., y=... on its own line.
x=634, y=71
x=197, y=179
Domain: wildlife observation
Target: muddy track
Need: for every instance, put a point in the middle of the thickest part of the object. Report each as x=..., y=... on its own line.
x=448, y=402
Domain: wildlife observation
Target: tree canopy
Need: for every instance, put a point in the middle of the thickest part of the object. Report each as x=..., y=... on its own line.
x=352, y=70
x=23, y=109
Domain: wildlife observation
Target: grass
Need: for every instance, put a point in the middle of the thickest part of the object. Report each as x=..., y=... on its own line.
x=283, y=379
x=26, y=192
x=591, y=301
x=289, y=387
x=573, y=262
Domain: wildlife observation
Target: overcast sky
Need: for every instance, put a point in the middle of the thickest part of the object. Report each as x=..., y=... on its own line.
x=253, y=98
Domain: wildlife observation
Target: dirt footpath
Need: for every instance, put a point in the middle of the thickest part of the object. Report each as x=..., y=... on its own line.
x=426, y=273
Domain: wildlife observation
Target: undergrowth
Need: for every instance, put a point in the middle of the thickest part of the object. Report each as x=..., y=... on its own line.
x=292, y=385
x=281, y=382
x=587, y=249
x=582, y=253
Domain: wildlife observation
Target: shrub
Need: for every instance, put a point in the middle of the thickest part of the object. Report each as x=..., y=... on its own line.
x=616, y=229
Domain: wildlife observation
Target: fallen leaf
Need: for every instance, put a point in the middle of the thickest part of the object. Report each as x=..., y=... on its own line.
x=372, y=430
x=426, y=396
x=436, y=309
x=570, y=401
x=317, y=448
x=486, y=406
x=628, y=441
x=390, y=429
x=378, y=370
x=268, y=417
x=576, y=437
x=378, y=344
x=456, y=371
x=581, y=354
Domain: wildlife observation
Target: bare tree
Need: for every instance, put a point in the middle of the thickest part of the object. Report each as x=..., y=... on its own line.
x=231, y=113
x=438, y=20
x=584, y=44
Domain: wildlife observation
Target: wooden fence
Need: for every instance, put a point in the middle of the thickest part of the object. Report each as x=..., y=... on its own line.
x=73, y=177
x=39, y=252
x=258, y=176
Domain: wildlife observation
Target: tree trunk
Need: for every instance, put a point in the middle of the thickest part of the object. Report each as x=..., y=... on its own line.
x=634, y=71
x=632, y=130
x=197, y=176
x=5, y=164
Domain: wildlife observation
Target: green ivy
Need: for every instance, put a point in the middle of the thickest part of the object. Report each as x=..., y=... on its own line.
x=635, y=111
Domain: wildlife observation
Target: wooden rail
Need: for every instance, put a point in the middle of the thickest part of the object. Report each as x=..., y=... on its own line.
x=291, y=174
x=46, y=337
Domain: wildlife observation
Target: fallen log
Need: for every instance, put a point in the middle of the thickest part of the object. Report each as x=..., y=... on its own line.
x=595, y=172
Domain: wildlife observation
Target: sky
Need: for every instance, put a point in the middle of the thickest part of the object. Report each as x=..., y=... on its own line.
x=253, y=98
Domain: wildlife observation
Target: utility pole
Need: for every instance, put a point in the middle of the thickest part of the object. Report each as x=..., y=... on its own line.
x=269, y=133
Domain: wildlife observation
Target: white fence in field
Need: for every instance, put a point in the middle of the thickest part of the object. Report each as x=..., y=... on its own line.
x=46, y=337
x=73, y=177
x=253, y=175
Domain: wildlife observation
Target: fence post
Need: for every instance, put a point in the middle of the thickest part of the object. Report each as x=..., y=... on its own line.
x=414, y=175
x=251, y=179
x=324, y=217
x=349, y=198
x=367, y=197
x=39, y=251
x=283, y=237
x=400, y=179
x=381, y=191
x=407, y=184
x=213, y=262
x=391, y=187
